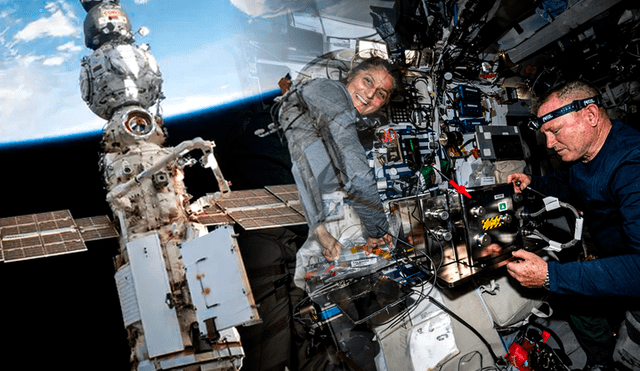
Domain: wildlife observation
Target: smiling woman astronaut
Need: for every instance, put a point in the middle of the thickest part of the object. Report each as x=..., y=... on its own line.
x=320, y=118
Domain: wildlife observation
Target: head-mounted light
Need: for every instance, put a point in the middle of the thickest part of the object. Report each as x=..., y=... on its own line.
x=537, y=122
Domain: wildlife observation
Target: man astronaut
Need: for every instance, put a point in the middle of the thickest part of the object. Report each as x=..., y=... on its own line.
x=602, y=158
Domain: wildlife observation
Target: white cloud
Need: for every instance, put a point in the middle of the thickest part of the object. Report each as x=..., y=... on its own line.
x=253, y=8
x=270, y=8
x=37, y=103
x=70, y=47
x=177, y=106
x=58, y=24
x=19, y=93
x=5, y=13
x=53, y=61
x=25, y=61
x=204, y=77
x=91, y=124
x=8, y=22
x=68, y=8
x=40, y=94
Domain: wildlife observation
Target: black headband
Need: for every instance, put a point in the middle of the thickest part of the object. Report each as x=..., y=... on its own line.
x=537, y=122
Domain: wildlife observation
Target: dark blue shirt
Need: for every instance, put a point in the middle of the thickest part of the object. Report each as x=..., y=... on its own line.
x=607, y=190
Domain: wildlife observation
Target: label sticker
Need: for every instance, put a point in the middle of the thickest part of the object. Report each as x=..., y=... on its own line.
x=491, y=223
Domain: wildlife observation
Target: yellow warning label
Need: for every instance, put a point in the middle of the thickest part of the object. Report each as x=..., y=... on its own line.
x=491, y=223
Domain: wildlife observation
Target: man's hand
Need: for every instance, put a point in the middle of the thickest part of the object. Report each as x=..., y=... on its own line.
x=528, y=268
x=520, y=181
x=372, y=242
x=493, y=249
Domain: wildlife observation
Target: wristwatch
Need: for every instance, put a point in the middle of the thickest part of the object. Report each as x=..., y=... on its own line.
x=545, y=284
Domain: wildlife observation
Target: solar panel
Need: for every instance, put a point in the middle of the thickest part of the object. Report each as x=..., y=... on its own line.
x=249, y=199
x=39, y=235
x=274, y=206
x=213, y=215
x=96, y=228
x=286, y=193
x=49, y=234
x=281, y=216
x=298, y=207
x=55, y=233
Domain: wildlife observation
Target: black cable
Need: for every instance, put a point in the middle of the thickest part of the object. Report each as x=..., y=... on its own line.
x=403, y=314
x=496, y=359
x=473, y=354
x=469, y=141
x=400, y=317
x=397, y=239
x=434, y=237
x=425, y=271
